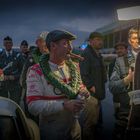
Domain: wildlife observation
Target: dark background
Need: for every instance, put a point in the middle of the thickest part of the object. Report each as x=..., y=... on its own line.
x=25, y=19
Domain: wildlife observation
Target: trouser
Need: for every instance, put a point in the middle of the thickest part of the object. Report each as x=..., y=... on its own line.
x=116, y=103
x=11, y=91
x=60, y=126
x=121, y=121
x=133, y=128
x=89, y=119
x=116, y=109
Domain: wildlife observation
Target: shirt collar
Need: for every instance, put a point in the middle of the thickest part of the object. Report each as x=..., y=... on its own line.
x=55, y=65
x=7, y=53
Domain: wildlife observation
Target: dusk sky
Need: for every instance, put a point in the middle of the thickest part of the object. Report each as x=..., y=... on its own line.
x=25, y=19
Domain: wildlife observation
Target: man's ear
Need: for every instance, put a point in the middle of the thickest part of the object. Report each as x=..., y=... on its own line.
x=129, y=41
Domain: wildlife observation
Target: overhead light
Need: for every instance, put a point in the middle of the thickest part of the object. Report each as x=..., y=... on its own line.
x=129, y=13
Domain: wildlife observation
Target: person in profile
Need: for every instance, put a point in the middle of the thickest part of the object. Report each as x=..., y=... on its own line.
x=52, y=89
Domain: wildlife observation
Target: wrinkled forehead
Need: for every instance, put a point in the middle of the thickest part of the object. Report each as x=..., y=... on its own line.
x=64, y=40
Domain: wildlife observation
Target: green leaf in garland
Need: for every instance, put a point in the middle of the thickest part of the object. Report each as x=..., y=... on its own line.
x=71, y=90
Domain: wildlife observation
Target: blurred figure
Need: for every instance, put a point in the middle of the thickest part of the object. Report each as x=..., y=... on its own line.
x=10, y=67
x=121, y=82
x=93, y=74
x=133, y=128
x=33, y=58
x=24, y=52
x=24, y=49
x=121, y=50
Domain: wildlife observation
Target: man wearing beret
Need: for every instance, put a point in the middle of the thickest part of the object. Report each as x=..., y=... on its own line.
x=52, y=88
x=93, y=74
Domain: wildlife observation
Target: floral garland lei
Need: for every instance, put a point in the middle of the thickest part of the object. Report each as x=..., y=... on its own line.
x=36, y=55
x=70, y=90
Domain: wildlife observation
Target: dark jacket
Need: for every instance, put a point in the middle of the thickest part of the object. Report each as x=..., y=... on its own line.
x=134, y=116
x=93, y=72
x=10, y=64
x=33, y=58
x=11, y=67
x=137, y=73
x=111, y=67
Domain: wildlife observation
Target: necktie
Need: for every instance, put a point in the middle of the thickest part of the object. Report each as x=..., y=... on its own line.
x=8, y=54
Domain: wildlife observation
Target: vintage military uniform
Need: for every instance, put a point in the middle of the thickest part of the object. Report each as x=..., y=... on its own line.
x=11, y=68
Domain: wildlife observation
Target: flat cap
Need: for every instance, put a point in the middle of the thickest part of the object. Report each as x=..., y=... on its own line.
x=121, y=44
x=56, y=35
x=24, y=43
x=95, y=34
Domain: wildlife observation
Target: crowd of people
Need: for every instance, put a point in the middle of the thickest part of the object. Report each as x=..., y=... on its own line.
x=64, y=96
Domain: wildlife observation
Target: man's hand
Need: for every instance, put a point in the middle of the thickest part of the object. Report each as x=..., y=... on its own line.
x=92, y=89
x=84, y=93
x=11, y=77
x=129, y=77
x=73, y=105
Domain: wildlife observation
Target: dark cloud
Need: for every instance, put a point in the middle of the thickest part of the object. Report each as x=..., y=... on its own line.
x=25, y=19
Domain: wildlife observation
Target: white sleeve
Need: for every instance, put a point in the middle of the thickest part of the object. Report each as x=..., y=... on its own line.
x=34, y=89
